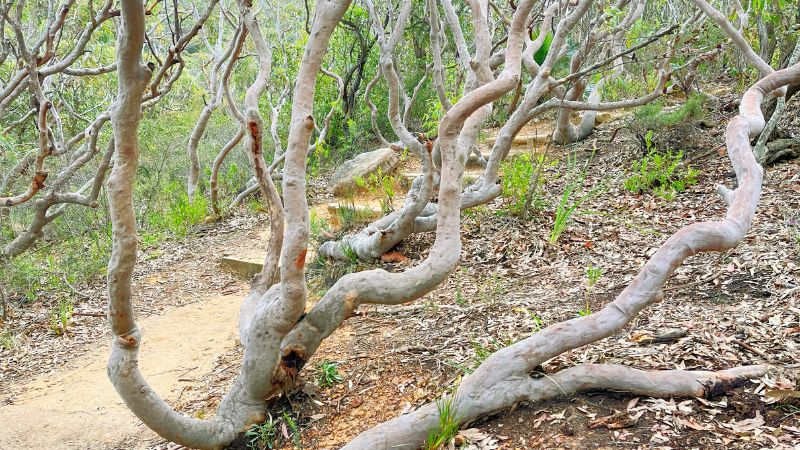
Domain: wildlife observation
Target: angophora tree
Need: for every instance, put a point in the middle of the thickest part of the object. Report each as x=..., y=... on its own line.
x=71, y=135
x=599, y=57
x=277, y=336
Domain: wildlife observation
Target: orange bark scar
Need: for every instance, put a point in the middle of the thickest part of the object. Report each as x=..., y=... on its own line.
x=301, y=259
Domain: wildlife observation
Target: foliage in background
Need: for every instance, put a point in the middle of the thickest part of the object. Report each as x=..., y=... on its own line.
x=654, y=117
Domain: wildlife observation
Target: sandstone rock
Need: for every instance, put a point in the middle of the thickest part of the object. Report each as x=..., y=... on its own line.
x=364, y=164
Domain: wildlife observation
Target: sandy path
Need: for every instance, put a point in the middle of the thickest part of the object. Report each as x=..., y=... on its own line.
x=76, y=406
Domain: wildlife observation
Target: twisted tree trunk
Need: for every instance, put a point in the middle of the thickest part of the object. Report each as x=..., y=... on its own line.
x=503, y=379
x=263, y=373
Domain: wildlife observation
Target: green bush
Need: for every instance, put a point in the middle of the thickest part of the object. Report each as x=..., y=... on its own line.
x=448, y=425
x=660, y=172
x=571, y=199
x=653, y=117
x=61, y=317
x=521, y=179
x=26, y=276
x=180, y=214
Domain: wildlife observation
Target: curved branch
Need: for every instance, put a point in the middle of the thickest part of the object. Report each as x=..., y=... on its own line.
x=262, y=374
x=504, y=377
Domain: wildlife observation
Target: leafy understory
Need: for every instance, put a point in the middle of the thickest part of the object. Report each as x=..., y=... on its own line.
x=663, y=173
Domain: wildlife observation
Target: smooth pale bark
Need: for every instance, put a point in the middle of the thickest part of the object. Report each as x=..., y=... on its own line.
x=736, y=37
x=45, y=106
x=234, y=141
x=322, y=134
x=381, y=287
x=503, y=379
x=275, y=111
x=254, y=143
x=487, y=187
x=217, y=91
x=42, y=215
x=373, y=110
x=565, y=132
x=437, y=38
x=492, y=384
x=408, y=106
x=374, y=241
x=762, y=153
x=174, y=54
x=55, y=197
x=409, y=431
x=263, y=373
x=18, y=82
x=383, y=234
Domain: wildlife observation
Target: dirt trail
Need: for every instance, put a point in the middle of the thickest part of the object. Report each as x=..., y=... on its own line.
x=76, y=406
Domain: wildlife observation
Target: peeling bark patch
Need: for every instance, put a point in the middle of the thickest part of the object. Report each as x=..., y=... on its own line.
x=127, y=341
x=350, y=303
x=301, y=259
x=38, y=180
x=255, y=133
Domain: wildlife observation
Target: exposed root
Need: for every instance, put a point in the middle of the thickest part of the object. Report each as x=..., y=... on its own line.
x=408, y=431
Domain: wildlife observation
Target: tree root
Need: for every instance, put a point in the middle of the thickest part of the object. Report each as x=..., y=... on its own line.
x=409, y=430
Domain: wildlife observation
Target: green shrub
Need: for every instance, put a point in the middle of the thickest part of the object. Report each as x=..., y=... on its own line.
x=380, y=184
x=319, y=228
x=661, y=173
x=328, y=374
x=181, y=214
x=262, y=436
x=7, y=340
x=653, y=117
x=522, y=177
x=27, y=276
x=61, y=317
x=432, y=117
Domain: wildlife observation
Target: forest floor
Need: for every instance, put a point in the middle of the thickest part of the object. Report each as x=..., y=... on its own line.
x=719, y=311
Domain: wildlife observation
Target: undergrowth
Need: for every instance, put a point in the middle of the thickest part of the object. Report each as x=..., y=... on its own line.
x=654, y=118
x=522, y=180
x=447, y=428
x=573, y=197
x=274, y=433
x=661, y=173
x=61, y=317
x=181, y=214
x=328, y=374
